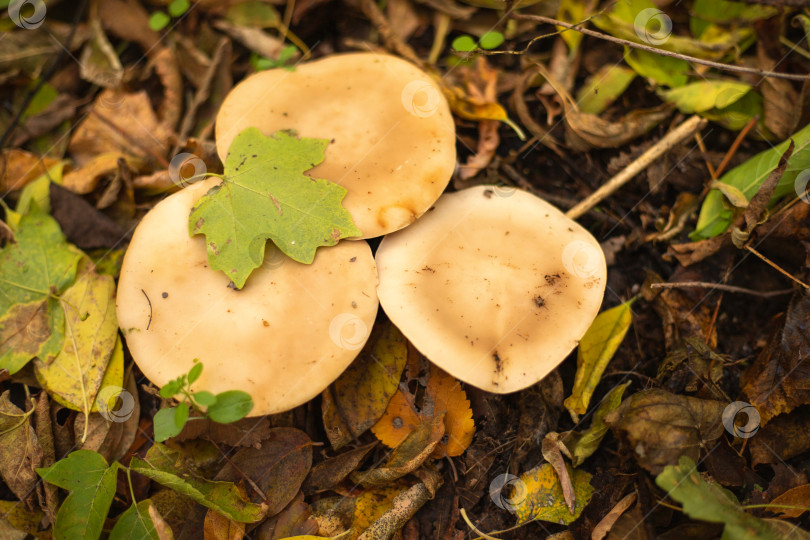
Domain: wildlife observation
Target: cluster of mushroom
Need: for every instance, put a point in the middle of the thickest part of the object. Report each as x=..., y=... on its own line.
x=494, y=285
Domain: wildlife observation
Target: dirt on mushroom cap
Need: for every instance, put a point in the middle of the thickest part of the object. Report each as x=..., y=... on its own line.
x=393, y=137
x=283, y=338
x=494, y=286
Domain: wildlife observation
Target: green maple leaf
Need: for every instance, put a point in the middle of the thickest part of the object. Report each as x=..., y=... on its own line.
x=266, y=195
x=37, y=267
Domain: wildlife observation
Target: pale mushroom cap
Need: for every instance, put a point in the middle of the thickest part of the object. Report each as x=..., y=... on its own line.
x=283, y=338
x=494, y=285
x=393, y=135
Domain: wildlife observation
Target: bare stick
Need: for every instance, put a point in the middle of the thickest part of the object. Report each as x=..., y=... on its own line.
x=776, y=267
x=633, y=44
x=718, y=286
x=671, y=139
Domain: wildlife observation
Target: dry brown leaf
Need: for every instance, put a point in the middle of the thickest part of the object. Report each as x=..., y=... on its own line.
x=86, y=178
x=779, y=380
x=606, y=523
x=584, y=131
x=472, y=93
x=19, y=450
x=488, y=141
x=128, y=20
x=551, y=449
x=294, y=520
x=330, y=472
x=797, y=497
x=120, y=123
x=659, y=426
x=444, y=395
x=20, y=167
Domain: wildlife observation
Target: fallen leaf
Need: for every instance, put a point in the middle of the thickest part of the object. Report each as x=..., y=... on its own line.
x=82, y=224
x=403, y=507
x=75, y=375
x=135, y=522
x=584, y=131
x=98, y=62
x=360, y=396
x=399, y=421
x=20, y=451
x=779, y=380
x=34, y=268
x=662, y=70
x=581, y=445
x=710, y=502
x=277, y=468
x=704, y=95
x=540, y=496
x=596, y=349
x=714, y=218
x=224, y=497
x=18, y=168
x=91, y=483
x=488, y=141
x=266, y=187
x=606, y=523
x=245, y=432
x=371, y=505
x=293, y=521
x=660, y=427
x=782, y=439
x=552, y=452
x=85, y=179
x=798, y=497
x=119, y=123
x=406, y=457
x=218, y=527
x=603, y=88
x=444, y=396
x=331, y=471
x=20, y=519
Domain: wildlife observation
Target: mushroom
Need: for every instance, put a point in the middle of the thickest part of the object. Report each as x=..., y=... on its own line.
x=494, y=285
x=392, y=135
x=283, y=338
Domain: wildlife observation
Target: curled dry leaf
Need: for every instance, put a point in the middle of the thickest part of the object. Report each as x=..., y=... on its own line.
x=18, y=168
x=779, y=380
x=660, y=427
x=218, y=527
x=294, y=520
x=20, y=451
x=407, y=457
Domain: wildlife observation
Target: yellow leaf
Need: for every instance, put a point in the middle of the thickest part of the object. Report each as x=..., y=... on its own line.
x=372, y=504
x=539, y=495
x=447, y=397
x=75, y=375
x=113, y=377
x=596, y=348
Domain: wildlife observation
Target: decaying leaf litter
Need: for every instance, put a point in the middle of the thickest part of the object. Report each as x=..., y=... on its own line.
x=684, y=410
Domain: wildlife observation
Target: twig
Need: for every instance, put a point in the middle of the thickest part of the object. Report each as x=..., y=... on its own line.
x=736, y=144
x=654, y=50
x=392, y=40
x=719, y=287
x=671, y=139
x=776, y=267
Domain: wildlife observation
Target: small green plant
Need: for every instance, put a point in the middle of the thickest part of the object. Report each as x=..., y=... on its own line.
x=223, y=408
x=488, y=41
x=160, y=19
x=261, y=63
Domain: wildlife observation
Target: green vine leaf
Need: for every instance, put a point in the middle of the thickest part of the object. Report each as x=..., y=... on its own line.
x=91, y=483
x=223, y=497
x=37, y=267
x=266, y=195
x=135, y=523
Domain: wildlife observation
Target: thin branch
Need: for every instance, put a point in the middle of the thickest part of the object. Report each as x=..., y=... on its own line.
x=671, y=139
x=776, y=267
x=720, y=287
x=654, y=50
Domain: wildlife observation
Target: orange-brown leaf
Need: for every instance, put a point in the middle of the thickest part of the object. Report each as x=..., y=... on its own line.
x=446, y=396
x=398, y=421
